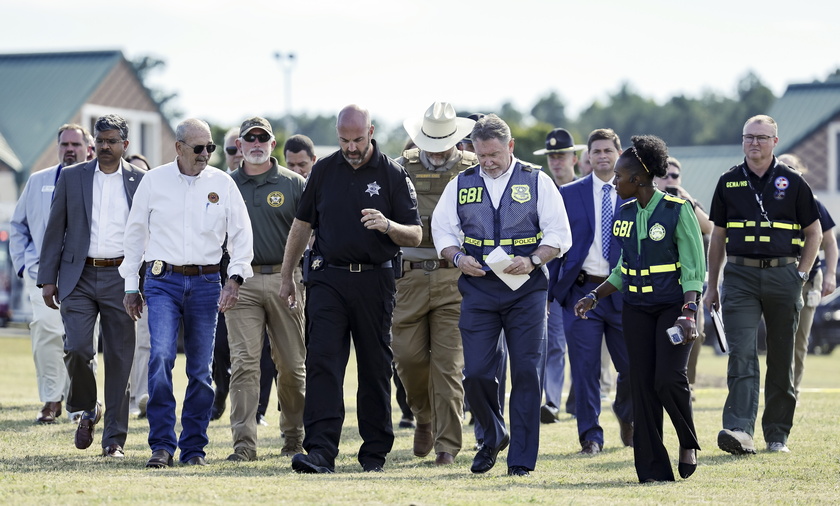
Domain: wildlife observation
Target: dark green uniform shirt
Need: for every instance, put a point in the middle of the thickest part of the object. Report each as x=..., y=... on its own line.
x=272, y=199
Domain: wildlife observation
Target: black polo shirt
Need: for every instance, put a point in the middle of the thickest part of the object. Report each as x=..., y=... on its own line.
x=785, y=196
x=333, y=200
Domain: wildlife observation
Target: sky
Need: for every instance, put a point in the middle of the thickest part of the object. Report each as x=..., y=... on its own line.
x=396, y=57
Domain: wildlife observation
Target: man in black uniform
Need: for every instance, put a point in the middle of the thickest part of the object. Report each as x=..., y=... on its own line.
x=363, y=208
x=767, y=225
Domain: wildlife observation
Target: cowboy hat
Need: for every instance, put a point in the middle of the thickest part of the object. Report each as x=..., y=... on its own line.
x=439, y=130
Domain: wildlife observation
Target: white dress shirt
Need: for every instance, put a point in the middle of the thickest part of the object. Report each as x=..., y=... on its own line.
x=553, y=221
x=109, y=212
x=183, y=221
x=595, y=263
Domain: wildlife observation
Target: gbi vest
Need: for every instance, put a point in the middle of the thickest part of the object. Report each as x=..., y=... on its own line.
x=650, y=270
x=514, y=225
x=747, y=232
x=429, y=186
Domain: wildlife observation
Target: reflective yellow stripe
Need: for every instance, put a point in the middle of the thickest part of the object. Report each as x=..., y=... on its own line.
x=663, y=268
x=647, y=289
x=489, y=242
x=474, y=242
x=798, y=242
x=764, y=238
x=735, y=224
x=504, y=242
x=749, y=238
x=750, y=223
x=783, y=226
x=635, y=289
x=524, y=241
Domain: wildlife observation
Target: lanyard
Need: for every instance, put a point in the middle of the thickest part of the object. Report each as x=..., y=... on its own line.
x=759, y=198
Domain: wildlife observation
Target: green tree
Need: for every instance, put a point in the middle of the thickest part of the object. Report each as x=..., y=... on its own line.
x=145, y=65
x=551, y=110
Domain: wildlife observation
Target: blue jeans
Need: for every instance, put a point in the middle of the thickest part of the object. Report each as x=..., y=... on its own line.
x=173, y=298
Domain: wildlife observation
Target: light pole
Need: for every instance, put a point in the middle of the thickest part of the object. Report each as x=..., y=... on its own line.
x=287, y=61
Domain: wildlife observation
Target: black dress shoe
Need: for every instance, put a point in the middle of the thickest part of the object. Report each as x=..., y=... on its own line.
x=198, y=460
x=310, y=464
x=549, y=414
x=372, y=467
x=688, y=462
x=160, y=458
x=589, y=448
x=485, y=459
x=518, y=471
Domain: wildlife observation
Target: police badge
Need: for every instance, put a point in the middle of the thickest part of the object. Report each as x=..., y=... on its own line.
x=157, y=267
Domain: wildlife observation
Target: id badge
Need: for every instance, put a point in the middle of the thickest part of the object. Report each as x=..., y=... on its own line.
x=157, y=267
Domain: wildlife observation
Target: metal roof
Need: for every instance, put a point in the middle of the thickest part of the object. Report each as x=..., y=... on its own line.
x=41, y=91
x=802, y=110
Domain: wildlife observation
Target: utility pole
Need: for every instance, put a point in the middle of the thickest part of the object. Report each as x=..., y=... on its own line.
x=287, y=61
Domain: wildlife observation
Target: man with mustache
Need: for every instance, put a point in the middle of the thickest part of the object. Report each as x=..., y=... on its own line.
x=26, y=239
x=362, y=207
x=79, y=270
x=271, y=194
x=181, y=215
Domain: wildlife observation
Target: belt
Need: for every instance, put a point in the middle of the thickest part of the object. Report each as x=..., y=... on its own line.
x=104, y=262
x=267, y=269
x=428, y=265
x=584, y=278
x=761, y=263
x=362, y=267
x=193, y=270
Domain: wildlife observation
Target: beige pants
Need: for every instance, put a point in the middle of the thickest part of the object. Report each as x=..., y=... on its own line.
x=803, y=332
x=258, y=310
x=47, y=334
x=428, y=351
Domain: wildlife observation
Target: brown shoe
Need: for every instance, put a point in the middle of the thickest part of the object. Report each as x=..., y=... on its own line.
x=49, y=413
x=291, y=448
x=589, y=448
x=444, y=459
x=84, y=433
x=424, y=441
x=625, y=430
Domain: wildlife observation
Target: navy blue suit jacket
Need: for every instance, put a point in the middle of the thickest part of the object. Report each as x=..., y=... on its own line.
x=580, y=207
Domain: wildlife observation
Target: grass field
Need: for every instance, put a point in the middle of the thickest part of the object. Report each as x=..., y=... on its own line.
x=40, y=465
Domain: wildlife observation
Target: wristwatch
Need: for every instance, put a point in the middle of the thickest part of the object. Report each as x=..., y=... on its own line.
x=537, y=261
x=237, y=278
x=803, y=275
x=691, y=306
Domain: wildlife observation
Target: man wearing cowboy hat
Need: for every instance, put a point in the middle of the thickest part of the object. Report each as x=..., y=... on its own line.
x=562, y=155
x=426, y=341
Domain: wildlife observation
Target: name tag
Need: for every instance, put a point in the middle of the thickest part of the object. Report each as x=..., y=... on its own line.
x=48, y=188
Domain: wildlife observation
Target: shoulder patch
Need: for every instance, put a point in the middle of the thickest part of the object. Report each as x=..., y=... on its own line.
x=674, y=199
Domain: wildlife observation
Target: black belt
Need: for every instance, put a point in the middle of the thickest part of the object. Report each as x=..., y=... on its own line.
x=762, y=263
x=362, y=267
x=267, y=269
x=584, y=277
x=187, y=270
x=104, y=262
x=428, y=265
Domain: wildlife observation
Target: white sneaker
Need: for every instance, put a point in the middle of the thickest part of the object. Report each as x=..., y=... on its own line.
x=777, y=447
x=75, y=416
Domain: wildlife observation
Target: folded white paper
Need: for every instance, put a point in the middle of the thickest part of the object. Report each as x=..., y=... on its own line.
x=498, y=261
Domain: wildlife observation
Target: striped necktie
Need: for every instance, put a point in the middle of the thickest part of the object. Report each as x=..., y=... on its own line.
x=606, y=220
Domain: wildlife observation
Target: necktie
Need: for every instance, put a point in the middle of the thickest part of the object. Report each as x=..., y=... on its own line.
x=606, y=220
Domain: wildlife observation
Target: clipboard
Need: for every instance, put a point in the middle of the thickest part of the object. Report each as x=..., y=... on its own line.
x=719, y=330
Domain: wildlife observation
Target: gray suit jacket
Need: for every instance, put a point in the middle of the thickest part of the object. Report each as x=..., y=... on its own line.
x=67, y=238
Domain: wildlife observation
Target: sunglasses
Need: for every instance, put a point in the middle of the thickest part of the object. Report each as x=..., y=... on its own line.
x=201, y=147
x=672, y=175
x=252, y=137
x=231, y=150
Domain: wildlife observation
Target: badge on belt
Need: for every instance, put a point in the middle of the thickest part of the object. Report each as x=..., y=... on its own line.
x=157, y=267
x=317, y=263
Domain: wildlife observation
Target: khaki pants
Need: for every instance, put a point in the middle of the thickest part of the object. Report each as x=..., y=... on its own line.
x=260, y=309
x=47, y=334
x=428, y=351
x=803, y=332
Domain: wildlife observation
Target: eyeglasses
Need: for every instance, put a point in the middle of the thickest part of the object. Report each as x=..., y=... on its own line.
x=252, y=137
x=762, y=139
x=231, y=150
x=671, y=175
x=110, y=142
x=201, y=147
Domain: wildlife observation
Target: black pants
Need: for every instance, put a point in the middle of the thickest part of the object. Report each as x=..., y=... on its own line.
x=344, y=304
x=657, y=380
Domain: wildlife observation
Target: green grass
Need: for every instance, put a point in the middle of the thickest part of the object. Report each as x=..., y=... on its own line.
x=39, y=464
